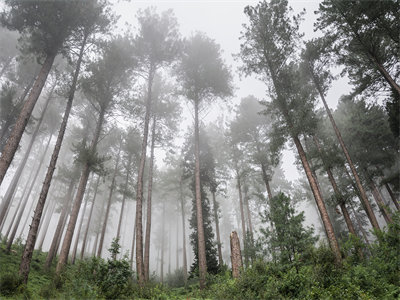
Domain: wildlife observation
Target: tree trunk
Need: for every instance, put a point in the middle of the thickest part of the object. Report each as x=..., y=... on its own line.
x=78, y=233
x=239, y=186
x=394, y=200
x=332, y=180
x=124, y=196
x=62, y=260
x=199, y=206
x=20, y=201
x=11, y=238
x=266, y=181
x=28, y=250
x=149, y=192
x=177, y=244
x=363, y=232
x=133, y=244
x=139, y=189
x=45, y=225
x=216, y=220
x=90, y=217
x=320, y=202
x=16, y=134
x=18, y=173
x=379, y=201
x=61, y=221
x=236, y=256
x=103, y=231
x=185, y=268
x=363, y=195
x=162, y=245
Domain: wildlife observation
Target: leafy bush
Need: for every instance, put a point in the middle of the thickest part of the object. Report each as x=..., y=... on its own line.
x=9, y=284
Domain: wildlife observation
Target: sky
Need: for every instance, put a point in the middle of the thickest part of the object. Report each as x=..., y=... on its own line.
x=222, y=20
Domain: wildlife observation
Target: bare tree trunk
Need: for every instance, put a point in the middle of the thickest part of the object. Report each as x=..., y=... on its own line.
x=28, y=251
x=363, y=195
x=363, y=232
x=236, y=256
x=320, y=202
x=177, y=244
x=185, y=268
x=45, y=224
x=378, y=198
x=103, y=231
x=124, y=196
x=199, y=206
x=216, y=220
x=149, y=192
x=133, y=244
x=90, y=217
x=16, y=134
x=62, y=260
x=162, y=245
x=239, y=187
x=61, y=221
x=11, y=238
x=78, y=233
x=18, y=173
x=394, y=200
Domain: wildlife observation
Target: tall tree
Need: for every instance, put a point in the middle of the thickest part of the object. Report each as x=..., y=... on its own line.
x=204, y=77
x=107, y=78
x=156, y=46
x=268, y=50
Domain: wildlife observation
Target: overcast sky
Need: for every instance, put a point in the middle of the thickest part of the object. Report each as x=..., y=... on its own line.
x=222, y=20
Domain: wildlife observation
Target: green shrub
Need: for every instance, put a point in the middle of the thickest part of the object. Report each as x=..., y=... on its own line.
x=9, y=284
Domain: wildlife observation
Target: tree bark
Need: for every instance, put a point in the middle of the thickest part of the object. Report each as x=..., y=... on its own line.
x=52, y=251
x=185, y=268
x=236, y=256
x=133, y=244
x=103, y=230
x=11, y=238
x=62, y=260
x=90, y=217
x=18, y=173
x=320, y=202
x=363, y=195
x=16, y=134
x=363, y=232
x=199, y=206
x=216, y=220
x=139, y=189
x=149, y=192
x=28, y=250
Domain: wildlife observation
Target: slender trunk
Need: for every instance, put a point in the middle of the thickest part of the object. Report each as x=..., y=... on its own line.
x=239, y=187
x=246, y=201
x=90, y=217
x=15, y=137
x=169, y=248
x=185, y=268
x=98, y=232
x=394, y=200
x=379, y=201
x=124, y=196
x=46, y=214
x=177, y=244
x=78, y=233
x=139, y=190
x=149, y=192
x=11, y=238
x=363, y=195
x=162, y=244
x=61, y=221
x=20, y=202
x=45, y=224
x=216, y=220
x=199, y=206
x=103, y=231
x=332, y=180
x=363, y=232
x=320, y=202
x=62, y=260
x=18, y=173
x=28, y=250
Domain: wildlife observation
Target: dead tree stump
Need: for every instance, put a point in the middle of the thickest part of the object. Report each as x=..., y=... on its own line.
x=236, y=255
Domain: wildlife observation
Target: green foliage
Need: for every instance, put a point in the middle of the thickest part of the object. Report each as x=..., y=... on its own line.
x=289, y=240
x=9, y=284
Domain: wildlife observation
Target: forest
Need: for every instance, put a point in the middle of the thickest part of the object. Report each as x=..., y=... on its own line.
x=140, y=159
